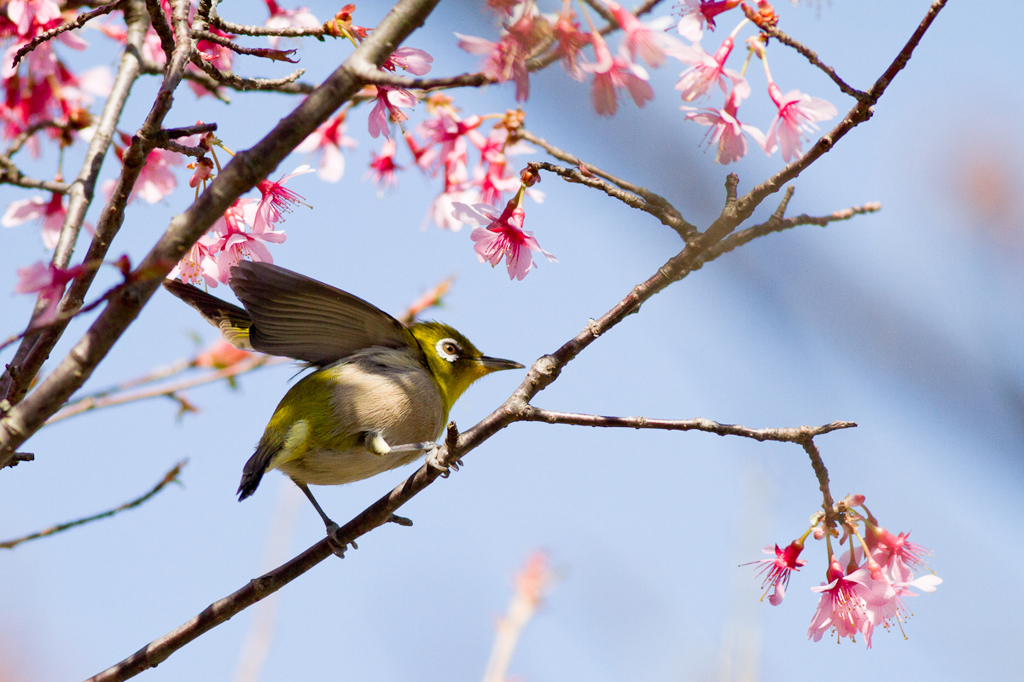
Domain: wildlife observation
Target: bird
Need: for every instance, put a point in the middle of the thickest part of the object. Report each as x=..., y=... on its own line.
x=379, y=393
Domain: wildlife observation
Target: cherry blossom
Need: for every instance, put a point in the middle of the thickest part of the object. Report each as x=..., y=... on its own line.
x=726, y=132
x=698, y=13
x=232, y=243
x=288, y=18
x=156, y=180
x=778, y=569
x=327, y=141
x=570, y=42
x=383, y=167
x=49, y=282
x=276, y=201
x=648, y=39
x=796, y=118
x=200, y=265
x=411, y=59
x=501, y=235
x=611, y=73
x=705, y=70
x=506, y=59
x=850, y=604
x=50, y=211
x=388, y=101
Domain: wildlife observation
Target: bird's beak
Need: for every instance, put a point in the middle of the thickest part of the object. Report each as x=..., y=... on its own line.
x=497, y=364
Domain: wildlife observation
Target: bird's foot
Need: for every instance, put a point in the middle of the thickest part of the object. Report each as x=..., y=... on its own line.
x=337, y=546
x=434, y=460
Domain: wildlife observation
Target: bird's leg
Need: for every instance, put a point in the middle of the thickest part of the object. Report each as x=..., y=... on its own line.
x=332, y=527
x=374, y=442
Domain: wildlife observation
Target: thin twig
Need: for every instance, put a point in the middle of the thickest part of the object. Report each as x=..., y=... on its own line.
x=796, y=434
x=265, y=52
x=678, y=223
x=11, y=175
x=24, y=136
x=810, y=54
x=827, y=503
x=20, y=457
x=779, y=224
x=286, y=84
x=77, y=22
x=170, y=477
x=93, y=403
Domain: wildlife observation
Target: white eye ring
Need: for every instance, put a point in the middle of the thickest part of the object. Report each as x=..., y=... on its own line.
x=448, y=349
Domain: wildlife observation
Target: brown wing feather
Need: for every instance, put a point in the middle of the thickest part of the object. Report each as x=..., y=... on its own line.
x=232, y=321
x=299, y=317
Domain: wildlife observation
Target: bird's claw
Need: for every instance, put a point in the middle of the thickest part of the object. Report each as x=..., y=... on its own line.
x=337, y=546
x=435, y=461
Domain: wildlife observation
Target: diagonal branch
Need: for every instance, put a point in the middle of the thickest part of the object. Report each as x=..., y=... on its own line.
x=77, y=22
x=170, y=477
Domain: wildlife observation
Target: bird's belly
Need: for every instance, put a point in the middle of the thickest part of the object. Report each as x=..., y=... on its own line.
x=334, y=467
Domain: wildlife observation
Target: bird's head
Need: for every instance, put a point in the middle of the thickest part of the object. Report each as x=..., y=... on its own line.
x=454, y=361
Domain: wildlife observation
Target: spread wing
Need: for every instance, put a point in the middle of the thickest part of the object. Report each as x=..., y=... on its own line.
x=301, y=318
x=232, y=321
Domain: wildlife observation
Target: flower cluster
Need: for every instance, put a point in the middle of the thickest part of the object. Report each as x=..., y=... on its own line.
x=863, y=588
x=242, y=233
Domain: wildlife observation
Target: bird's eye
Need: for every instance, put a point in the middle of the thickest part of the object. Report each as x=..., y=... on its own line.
x=448, y=349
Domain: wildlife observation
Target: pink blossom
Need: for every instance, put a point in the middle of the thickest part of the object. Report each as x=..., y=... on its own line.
x=233, y=243
x=328, y=141
x=200, y=265
x=850, y=604
x=425, y=156
x=503, y=235
x=611, y=73
x=288, y=18
x=156, y=180
x=506, y=59
x=705, y=70
x=778, y=569
x=697, y=13
x=276, y=200
x=646, y=38
x=726, y=131
x=388, y=101
x=411, y=59
x=570, y=42
x=25, y=13
x=50, y=211
x=795, y=120
x=49, y=281
x=383, y=167
x=446, y=129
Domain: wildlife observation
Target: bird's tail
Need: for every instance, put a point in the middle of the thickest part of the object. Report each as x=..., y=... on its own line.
x=252, y=472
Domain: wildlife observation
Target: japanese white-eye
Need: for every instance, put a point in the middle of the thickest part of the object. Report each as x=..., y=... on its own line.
x=379, y=396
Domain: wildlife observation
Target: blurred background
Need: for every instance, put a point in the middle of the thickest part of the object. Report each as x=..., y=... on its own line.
x=908, y=321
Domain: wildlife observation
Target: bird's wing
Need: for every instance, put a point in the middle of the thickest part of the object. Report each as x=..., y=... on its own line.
x=299, y=317
x=232, y=321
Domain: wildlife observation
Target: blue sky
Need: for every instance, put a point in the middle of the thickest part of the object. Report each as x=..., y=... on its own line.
x=907, y=321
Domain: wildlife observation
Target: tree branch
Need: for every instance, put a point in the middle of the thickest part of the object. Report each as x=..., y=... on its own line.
x=170, y=477
x=77, y=22
x=783, y=435
x=810, y=54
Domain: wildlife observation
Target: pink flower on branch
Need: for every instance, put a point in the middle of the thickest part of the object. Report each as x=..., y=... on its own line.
x=705, y=70
x=648, y=39
x=795, y=120
x=850, y=604
x=49, y=282
x=388, y=101
x=415, y=61
x=778, y=569
x=506, y=59
x=502, y=235
x=570, y=42
x=726, y=132
x=698, y=13
x=383, y=167
x=50, y=211
x=276, y=201
x=288, y=18
x=611, y=73
x=327, y=141
x=232, y=243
